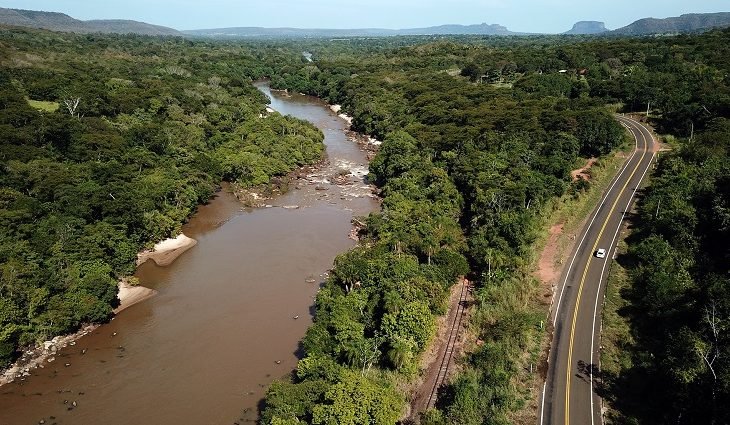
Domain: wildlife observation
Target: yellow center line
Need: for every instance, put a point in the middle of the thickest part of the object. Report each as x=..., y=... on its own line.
x=583, y=278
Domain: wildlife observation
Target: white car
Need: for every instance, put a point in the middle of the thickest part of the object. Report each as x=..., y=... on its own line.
x=601, y=253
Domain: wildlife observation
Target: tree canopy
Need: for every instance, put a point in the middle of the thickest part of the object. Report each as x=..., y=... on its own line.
x=479, y=137
x=144, y=131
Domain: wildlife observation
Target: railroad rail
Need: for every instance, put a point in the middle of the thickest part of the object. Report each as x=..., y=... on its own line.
x=448, y=355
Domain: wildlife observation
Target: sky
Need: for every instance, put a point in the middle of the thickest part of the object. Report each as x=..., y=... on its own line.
x=544, y=16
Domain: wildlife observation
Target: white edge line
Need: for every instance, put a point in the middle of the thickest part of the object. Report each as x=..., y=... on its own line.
x=570, y=266
x=542, y=409
x=585, y=233
x=605, y=263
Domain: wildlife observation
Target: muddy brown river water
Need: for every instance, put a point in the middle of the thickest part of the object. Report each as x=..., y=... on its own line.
x=207, y=346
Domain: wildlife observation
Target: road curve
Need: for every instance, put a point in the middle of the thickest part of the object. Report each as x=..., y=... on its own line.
x=568, y=394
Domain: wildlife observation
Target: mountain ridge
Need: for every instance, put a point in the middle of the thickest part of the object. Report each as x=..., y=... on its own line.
x=450, y=29
x=56, y=21
x=689, y=22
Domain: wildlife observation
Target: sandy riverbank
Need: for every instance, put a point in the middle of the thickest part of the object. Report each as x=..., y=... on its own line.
x=41, y=354
x=165, y=252
x=336, y=109
x=130, y=295
x=369, y=144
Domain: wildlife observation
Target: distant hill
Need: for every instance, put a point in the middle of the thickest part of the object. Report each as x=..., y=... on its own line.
x=254, y=32
x=122, y=26
x=61, y=22
x=686, y=23
x=587, y=27
x=480, y=29
x=284, y=32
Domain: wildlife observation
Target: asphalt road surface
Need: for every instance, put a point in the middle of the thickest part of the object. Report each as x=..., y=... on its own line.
x=569, y=393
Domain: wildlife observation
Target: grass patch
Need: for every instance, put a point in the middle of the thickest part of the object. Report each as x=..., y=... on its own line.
x=43, y=105
x=670, y=142
x=527, y=379
x=616, y=332
x=615, y=107
x=502, y=85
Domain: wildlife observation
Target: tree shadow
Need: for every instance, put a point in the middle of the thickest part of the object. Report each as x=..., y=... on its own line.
x=586, y=371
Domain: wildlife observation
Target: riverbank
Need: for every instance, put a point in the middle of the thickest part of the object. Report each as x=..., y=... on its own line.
x=130, y=295
x=163, y=254
x=41, y=354
x=341, y=173
x=262, y=263
x=337, y=110
x=369, y=144
x=167, y=251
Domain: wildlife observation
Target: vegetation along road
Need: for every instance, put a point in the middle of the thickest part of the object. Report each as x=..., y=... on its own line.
x=568, y=394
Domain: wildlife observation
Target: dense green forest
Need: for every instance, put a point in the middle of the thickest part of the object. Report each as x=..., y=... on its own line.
x=677, y=305
x=468, y=173
x=109, y=143
x=496, y=125
x=679, y=302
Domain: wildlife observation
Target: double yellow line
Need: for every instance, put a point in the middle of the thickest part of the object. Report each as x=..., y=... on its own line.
x=585, y=272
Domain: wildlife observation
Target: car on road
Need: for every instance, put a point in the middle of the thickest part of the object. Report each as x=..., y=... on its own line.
x=601, y=253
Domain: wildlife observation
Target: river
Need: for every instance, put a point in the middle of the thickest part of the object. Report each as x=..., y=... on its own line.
x=223, y=325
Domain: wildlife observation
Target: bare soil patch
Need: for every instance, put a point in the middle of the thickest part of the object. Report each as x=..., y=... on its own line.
x=548, y=266
x=584, y=171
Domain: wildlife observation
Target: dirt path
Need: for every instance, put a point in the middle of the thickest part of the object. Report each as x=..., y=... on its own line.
x=433, y=360
x=583, y=172
x=547, y=270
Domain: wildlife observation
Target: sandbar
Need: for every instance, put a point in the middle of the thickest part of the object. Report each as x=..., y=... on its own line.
x=165, y=252
x=130, y=295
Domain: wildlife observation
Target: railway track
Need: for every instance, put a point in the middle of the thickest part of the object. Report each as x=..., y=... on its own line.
x=448, y=355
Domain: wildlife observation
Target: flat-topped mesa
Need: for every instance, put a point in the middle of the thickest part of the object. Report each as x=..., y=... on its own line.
x=587, y=27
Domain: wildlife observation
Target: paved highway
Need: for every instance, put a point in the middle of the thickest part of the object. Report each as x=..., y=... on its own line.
x=568, y=394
